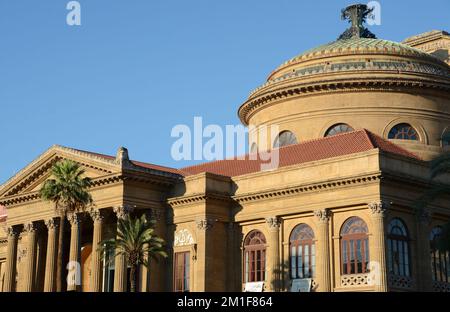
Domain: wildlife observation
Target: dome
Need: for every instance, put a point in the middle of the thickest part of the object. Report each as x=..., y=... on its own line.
x=360, y=81
x=358, y=55
x=362, y=47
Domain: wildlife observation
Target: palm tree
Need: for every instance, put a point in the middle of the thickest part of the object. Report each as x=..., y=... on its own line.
x=68, y=190
x=438, y=166
x=135, y=241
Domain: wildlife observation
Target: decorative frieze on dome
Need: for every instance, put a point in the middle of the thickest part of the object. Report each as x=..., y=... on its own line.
x=395, y=66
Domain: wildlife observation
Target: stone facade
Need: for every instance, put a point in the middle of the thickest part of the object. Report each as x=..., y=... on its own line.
x=211, y=216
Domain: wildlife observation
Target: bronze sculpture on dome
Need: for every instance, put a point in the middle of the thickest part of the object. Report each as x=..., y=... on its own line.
x=357, y=15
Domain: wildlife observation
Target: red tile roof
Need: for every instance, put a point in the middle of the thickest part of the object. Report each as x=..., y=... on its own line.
x=307, y=151
x=313, y=150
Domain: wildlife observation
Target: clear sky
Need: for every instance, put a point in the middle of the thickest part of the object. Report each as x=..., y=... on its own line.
x=135, y=69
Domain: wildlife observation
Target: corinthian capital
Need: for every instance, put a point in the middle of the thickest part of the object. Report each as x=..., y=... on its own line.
x=51, y=224
x=323, y=215
x=378, y=208
x=273, y=223
x=423, y=216
x=29, y=228
x=96, y=215
x=123, y=211
x=154, y=214
x=12, y=232
x=205, y=224
x=74, y=219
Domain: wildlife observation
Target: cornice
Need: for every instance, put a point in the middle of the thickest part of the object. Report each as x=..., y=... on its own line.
x=30, y=196
x=306, y=188
x=198, y=198
x=360, y=67
x=426, y=37
x=332, y=86
x=24, y=178
x=51, y=152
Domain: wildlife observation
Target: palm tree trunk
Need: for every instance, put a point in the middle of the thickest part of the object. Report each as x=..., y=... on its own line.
x=133, y=278
x=59, y=261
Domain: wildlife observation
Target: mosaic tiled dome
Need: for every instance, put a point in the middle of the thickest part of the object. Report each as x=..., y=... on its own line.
x=357, y=55
x=357, y=46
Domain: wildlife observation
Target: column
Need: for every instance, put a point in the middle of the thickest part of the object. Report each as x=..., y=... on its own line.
x=323, y=275
x=74, y=265
x=120, y=266
x=378, y=211
x=273, y=269
x=41, y=253
x=30, y=260
x=152, y=279
x=50, y=263
x=11, y=260
x=96, y=262
x=424, y=278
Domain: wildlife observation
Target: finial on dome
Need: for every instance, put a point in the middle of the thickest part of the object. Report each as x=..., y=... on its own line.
x=122, y=155
x=357, y=15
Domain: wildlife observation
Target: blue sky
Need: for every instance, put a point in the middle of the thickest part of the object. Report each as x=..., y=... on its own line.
x=134, y=69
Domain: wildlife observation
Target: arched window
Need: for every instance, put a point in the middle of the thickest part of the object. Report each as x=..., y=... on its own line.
x=440, y=261
x=446, y=139
x=354, y=246
x=339, y=128
x=403, y=131
x=254, y=148
x=285, y=138
x=398, y=249
x=302, y=252
x=255, y=257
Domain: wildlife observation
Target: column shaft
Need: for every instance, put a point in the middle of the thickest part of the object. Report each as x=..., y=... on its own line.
x=30, y=260
x=273, y=271
x=120, y=265
x=424, y=273
x=11, y=260
x=74, y=266
x=378, y=212
x=96, y=263
x=50, y=263
x=323, y=275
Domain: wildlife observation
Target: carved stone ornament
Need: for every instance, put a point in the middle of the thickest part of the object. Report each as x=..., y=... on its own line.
x=96, y=215
x=74, y=219
x=424, y=216
x=12, y=232
x=378, y=208
x=51, y=224
x=122, y=156
x=154, y=214
x=123, y=211
x=29, y=228
x=273, y=223
x=323, y=215
x=183, y=238
x=204, y=224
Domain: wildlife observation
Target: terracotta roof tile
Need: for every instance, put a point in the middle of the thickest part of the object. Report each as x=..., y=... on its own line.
x=308, y=151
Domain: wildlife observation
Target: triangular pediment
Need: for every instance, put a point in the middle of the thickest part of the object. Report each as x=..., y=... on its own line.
x=30, y=178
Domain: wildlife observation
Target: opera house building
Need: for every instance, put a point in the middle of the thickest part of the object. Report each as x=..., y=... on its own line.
x=359, y=120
